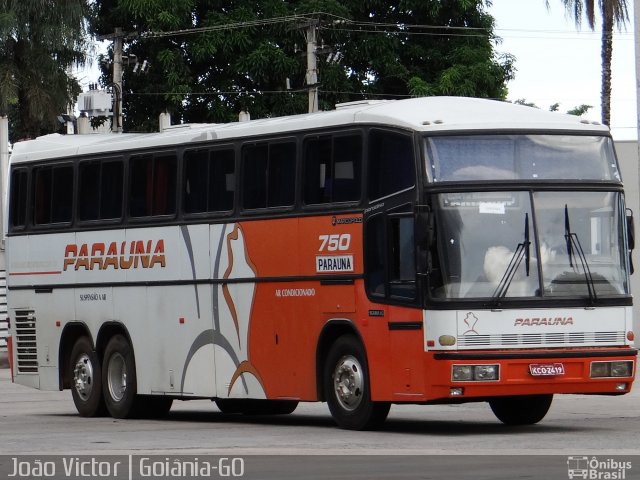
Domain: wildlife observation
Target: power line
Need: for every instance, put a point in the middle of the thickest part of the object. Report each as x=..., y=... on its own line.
x=228, y=26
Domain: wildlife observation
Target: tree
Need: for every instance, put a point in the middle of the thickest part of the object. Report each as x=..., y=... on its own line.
x=243, y=59
x=39, y=40
x=578, y=110
x=614, y=14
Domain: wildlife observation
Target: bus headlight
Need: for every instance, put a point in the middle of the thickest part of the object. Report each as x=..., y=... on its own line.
x=621, y=369
x=486, y=372
x=475, y=373
x=611, y=369
x=462, y=373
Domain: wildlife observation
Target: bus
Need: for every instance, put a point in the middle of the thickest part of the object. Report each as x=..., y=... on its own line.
x=422, y=251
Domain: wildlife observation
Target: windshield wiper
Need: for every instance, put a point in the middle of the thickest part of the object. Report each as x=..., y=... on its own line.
x=523, y=250
x=573, y=243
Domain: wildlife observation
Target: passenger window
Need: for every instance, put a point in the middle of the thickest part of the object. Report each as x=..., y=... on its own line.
x=282, y=175
x=209, y=180
x=254, y=176
x=391, y=163
x=100, y=190
x=18, y=207
x=268, y=178
x=152, y=180
x=53, y=194
x=332, y=169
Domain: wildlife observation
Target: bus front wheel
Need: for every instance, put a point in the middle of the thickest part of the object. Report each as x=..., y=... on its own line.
x=346, y=387
x=521, y=410
x=119, y=378
x=86, y=373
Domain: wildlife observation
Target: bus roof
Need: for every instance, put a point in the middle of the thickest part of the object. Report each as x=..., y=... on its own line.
x=425, y=114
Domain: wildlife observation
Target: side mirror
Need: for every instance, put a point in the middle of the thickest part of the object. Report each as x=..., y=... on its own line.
x=631, y=237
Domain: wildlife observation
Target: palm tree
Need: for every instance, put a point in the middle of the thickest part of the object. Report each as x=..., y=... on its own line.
x=614, y=13
x=39, y=41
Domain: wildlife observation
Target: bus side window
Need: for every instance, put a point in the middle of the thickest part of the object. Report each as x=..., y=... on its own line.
x=53, y=195
x=152, y=185
x=18, y=207
x=332, y=169
x=196, y=173
x=222, y=180
x=111, y=186
x=317, y=162
x=391, y=163
x=282, y=174
x=255, y=160
x=209, y=180
x=347, y=155
x=100, y=190
x=268, y=175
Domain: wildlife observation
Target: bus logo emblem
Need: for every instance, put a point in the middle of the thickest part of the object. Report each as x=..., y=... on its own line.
x=471, y=321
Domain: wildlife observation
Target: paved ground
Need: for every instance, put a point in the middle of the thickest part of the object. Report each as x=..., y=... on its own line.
x=36, y=422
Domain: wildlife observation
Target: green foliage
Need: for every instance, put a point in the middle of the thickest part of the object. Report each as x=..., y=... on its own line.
x=39, y=40
x=578, y=111
x=212, y=75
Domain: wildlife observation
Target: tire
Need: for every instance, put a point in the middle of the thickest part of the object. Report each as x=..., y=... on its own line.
x=347, y=388
x=119, y=381
x=154, y=406
x=86, y=388
x=256, y=406
x=521, y=410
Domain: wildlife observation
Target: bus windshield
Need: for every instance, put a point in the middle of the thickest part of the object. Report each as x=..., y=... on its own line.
x=520, y=157
x=529, y=244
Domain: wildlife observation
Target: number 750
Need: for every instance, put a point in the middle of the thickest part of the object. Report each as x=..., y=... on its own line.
x=332, y=243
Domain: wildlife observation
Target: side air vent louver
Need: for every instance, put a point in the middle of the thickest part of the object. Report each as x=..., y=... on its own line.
x=25, y=341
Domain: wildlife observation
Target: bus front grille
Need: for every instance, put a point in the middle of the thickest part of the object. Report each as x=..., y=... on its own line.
x=542, y=339
x=25, y=341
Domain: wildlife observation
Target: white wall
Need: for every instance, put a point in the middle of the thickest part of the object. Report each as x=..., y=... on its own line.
x=628, y=158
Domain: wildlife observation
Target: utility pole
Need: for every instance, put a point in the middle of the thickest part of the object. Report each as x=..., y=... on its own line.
x=118, y=37
x=312, y=64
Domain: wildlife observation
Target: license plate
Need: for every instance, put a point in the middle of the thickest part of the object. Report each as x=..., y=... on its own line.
x=546, y=370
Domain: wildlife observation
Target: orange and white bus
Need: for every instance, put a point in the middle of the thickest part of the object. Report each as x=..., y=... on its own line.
x=424, y=251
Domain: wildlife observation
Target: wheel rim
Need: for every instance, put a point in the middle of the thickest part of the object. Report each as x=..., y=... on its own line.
x=117, y=377
x=348, y=382
x=83, y=376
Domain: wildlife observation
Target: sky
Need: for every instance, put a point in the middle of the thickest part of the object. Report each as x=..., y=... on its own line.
x=555, y=62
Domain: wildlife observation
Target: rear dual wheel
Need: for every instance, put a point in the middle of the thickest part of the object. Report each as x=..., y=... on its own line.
x=111, y=386
x=120, y=384
x=119, y=378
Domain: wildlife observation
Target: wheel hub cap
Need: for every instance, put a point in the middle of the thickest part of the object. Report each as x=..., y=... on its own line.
x=348, y=382
x=83, y=376
x=117, y=377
